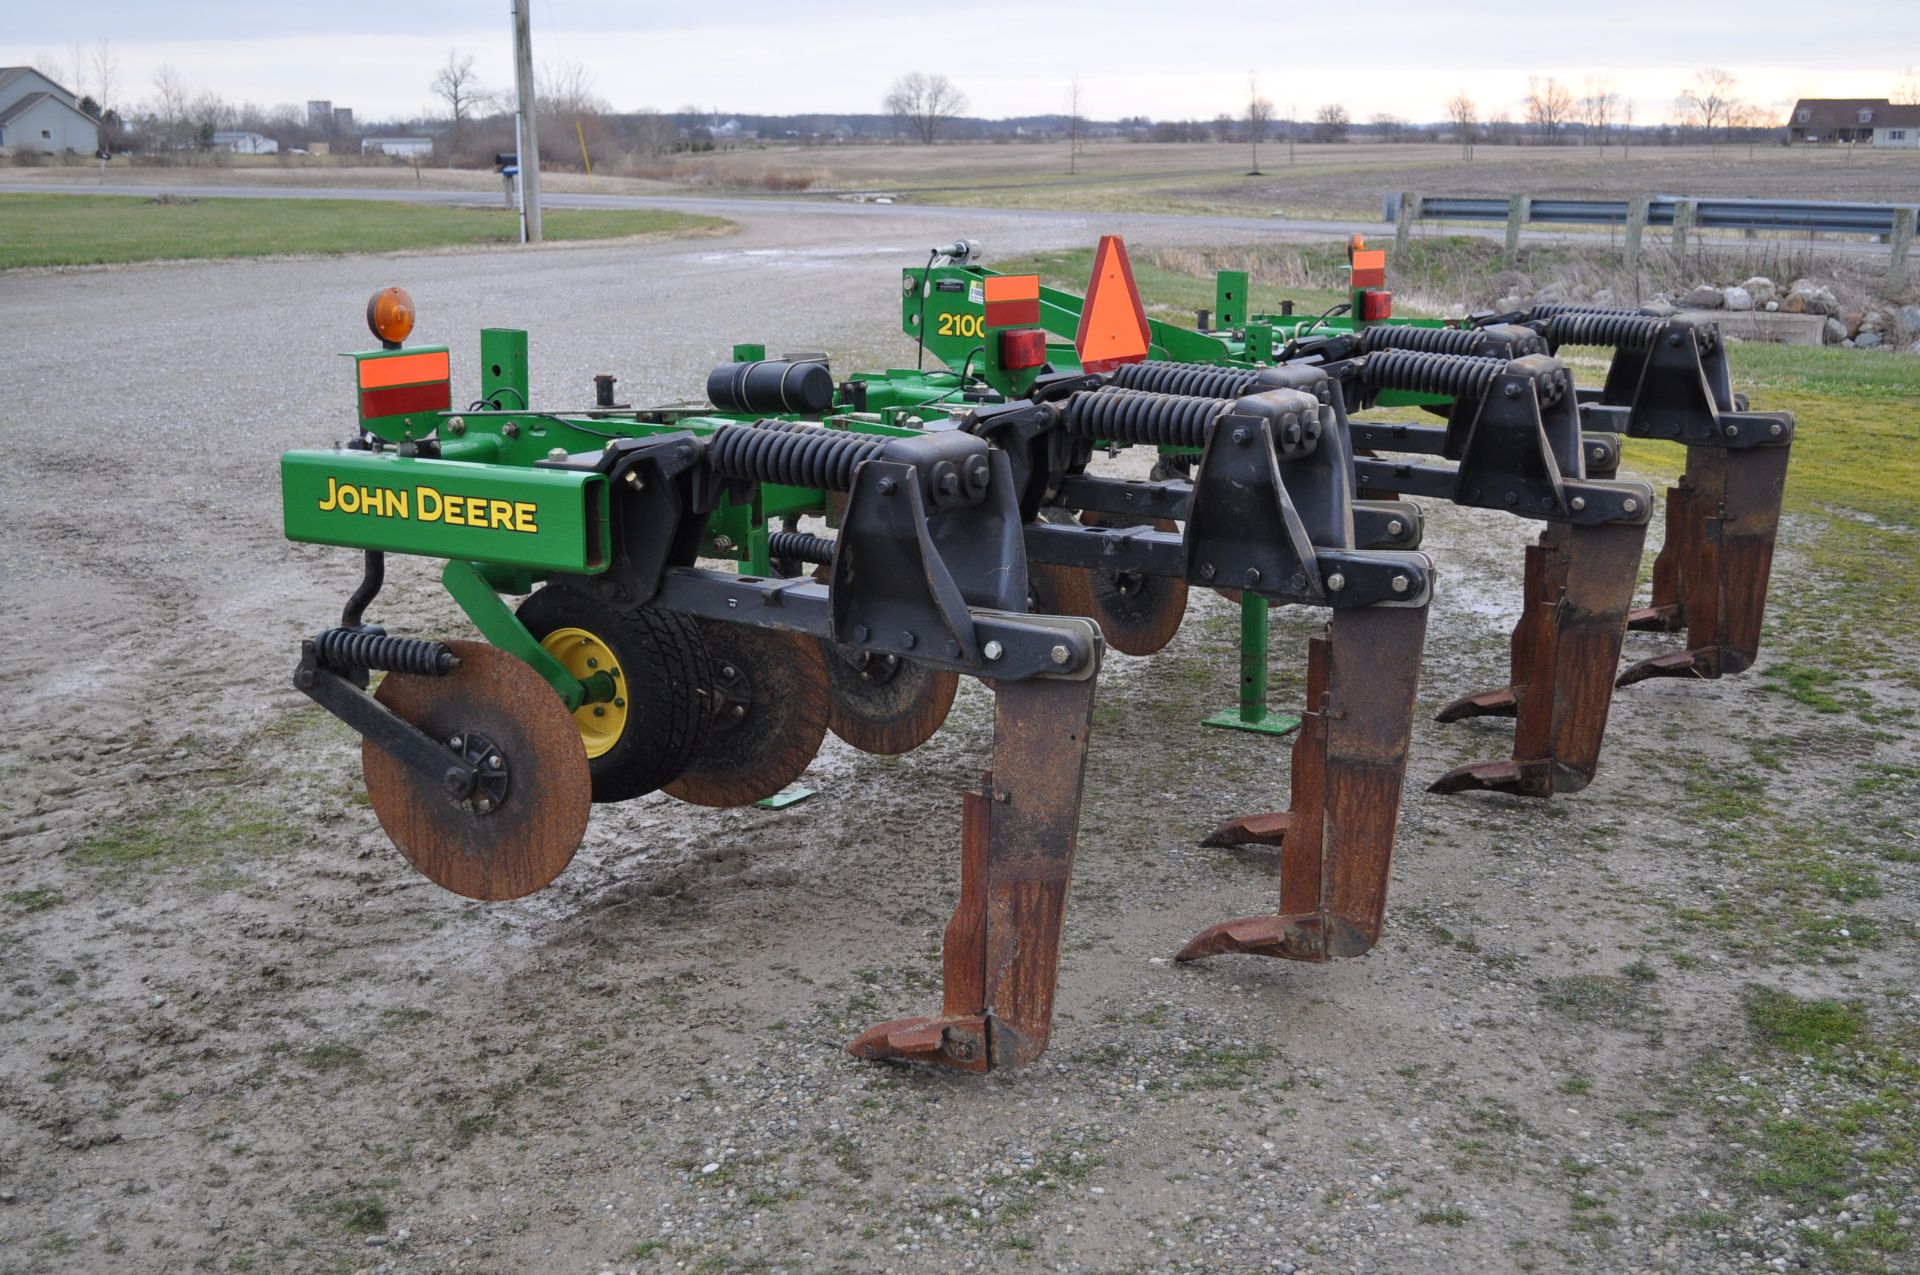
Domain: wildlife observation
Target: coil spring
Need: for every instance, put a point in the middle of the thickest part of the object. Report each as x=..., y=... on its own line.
x=1133, y=416
x=1455, y=375
x=790, y=452
x=1426, y=340
x=346, y=649
x=1622, y=329
x=799, y=546
x=1193, y=380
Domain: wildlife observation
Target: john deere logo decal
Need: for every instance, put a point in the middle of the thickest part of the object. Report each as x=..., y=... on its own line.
x=426, y=504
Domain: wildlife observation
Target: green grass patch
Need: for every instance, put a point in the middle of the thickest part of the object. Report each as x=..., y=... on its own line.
x=69, y=230
x=220, y=827
x=1781, y=1020
x=36, y=900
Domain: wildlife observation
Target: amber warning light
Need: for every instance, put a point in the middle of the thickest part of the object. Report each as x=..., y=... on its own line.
x=390, y=316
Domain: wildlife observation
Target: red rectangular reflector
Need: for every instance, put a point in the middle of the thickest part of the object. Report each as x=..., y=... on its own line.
x=1375, y=306
x=1023, y=347
x=1012, y=299
x=436, y=396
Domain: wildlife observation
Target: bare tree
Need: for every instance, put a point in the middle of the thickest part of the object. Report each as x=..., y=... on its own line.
x=925, y=102
x=457, y=86
x=1596, y=110
x=1074, y=123
x=1465, y=118
x=1389, y=127
x=106, y=79
x=1626, y=128
x=1708, y=103
x=1906, y=89
x=170, y=105
x=1330, y=123
x=1549, y=105
x=1259, y=115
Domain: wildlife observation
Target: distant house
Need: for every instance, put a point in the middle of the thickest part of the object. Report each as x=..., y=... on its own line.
x=398, y=147
x=245, y=144
x=37, y=113
x=1854, y=121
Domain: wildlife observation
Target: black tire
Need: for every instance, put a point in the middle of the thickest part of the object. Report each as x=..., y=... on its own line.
x=663, y=670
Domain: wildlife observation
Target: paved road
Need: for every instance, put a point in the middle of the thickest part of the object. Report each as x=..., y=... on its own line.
x=938, y=216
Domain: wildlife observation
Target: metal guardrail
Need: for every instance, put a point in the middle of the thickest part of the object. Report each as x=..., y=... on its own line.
x=1892, y=222
x=1724, y=214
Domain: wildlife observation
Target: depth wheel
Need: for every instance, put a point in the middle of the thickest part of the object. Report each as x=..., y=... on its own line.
x=657, y=721
x=770, y=706
x=1138, y=614
x=519, y=828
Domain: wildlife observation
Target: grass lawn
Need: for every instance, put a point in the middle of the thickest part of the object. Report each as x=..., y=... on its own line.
x=69, y=230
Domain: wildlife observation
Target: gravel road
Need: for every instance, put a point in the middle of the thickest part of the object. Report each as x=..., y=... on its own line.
x=237, y=1033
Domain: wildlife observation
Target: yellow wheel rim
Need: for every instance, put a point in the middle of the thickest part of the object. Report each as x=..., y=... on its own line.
x=582, y=654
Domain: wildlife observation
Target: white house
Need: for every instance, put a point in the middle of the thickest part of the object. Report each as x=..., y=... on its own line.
x=1898, y=126
x=36, y=112
x=245, y=144
x=398, y=147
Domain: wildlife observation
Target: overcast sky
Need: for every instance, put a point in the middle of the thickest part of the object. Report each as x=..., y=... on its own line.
x=1146, y=57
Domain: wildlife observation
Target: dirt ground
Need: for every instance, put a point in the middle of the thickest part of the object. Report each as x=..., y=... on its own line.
x=238, y=1033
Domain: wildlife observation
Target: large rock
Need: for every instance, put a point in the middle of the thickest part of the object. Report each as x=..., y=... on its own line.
x=1867, y=340
x=1814, y=299
x=1771, y=306
x=1835, y=331
x=1796, y=303
x=1737, y=298
x=1703, y=297
x=1909, y=319
x=1761, y=289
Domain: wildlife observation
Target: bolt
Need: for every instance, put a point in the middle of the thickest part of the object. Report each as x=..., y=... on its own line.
x=635, y=481
x=1336, y=582
x=456, y=783
x=1511, y=498
x=1252, y=576
x=592, y=663
x=456, y=742
x=1630, y=504
x=960, y=1050
x=1733, y=431
x=457, y=425
x=729, y=672
x=907, y=639
x=1299, y=581
x=949, y=484
x=1599, y=453
x=1511, y=390
x=511, y=429
x=619, y=703
x=723, y=544
x=993, y=650
x=598, y=711
x=1240, y=435
x=887, y=485
x=736, y=711
x=859, y=632
x=1401, y=584
x=494, y=761
x=558, y=453
x=1061, y=654
x=1206, y=571
x=1395, y=527
x=1774, y=429
x=1578, y=503
x=1673, y=338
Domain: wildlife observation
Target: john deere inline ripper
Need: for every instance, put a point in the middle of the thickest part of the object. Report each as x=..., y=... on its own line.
x=631, y=667
x=1668, y=381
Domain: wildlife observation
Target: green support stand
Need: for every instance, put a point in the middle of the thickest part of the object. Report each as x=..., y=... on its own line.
x=1253, y=713
x=789, y=796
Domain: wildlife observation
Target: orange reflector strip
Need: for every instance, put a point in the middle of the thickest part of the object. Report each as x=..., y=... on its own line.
x=1012, y=300
x=1370, y=268
x=1113, y=323
x=403, y=369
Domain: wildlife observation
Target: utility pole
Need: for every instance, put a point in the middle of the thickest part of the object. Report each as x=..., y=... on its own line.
x=526, y=138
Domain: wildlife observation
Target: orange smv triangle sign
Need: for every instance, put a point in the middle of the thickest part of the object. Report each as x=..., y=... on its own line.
x=1113, y=323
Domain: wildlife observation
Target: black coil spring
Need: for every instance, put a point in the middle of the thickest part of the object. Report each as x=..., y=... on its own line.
x=345, y=649
x=1427, y=340
x=793, y=453
x=1132, y=416
x=1455, y=375
x=799, y=546
x=1622, y=329
x=1194, y=380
